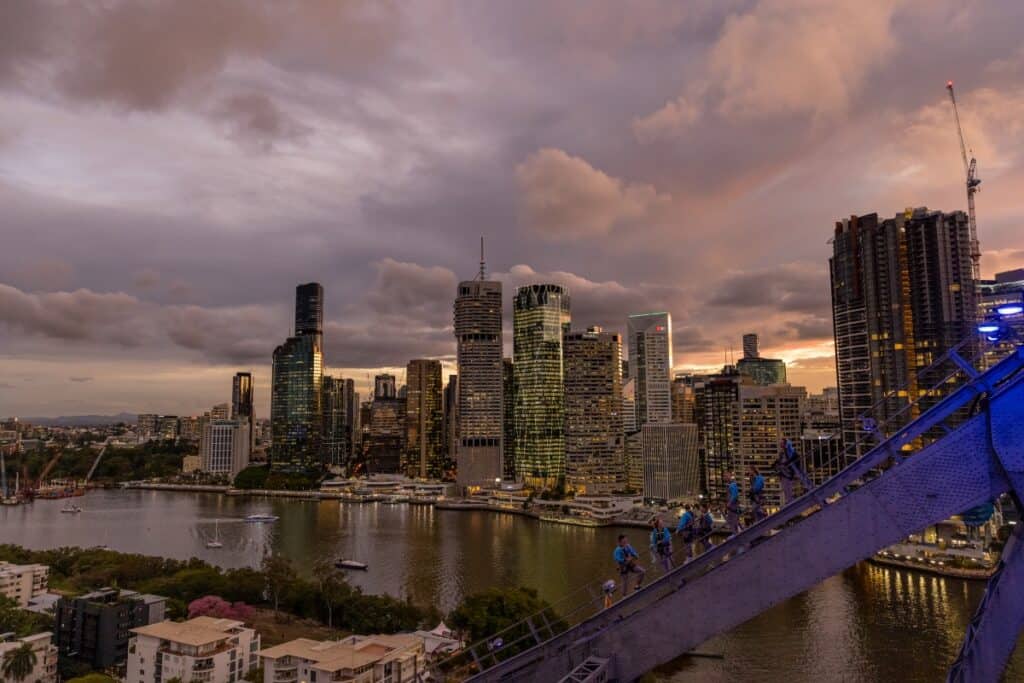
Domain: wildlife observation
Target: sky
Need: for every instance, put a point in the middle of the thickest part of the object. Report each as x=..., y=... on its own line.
x=171, y=169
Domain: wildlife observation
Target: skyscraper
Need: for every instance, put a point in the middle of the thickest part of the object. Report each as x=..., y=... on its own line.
x=903, y=293
x=508, y=426
x=541, y=319
x=650, y=366
x=296, y=377
x=242, y=401
x=384, y=386
x=339, y=411
x=716, y=410
x=764, y=371
x=451, y=423
x=670, y=462
x=424, y=420
x=750, y=343
x=594, y=436
x=767, y=414
x=309, y=309
x=480, y=386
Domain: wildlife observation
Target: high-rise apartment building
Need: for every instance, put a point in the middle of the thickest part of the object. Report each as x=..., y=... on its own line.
x=650, y=366
x=595, y=459
x=295, y=396
x=764, y=371
x=541, y=319
x=424, y=420
x=670, y=462
x=339, y=410
x=477, y=317
x=221, y=411
x=629, y=424
x=903, y=293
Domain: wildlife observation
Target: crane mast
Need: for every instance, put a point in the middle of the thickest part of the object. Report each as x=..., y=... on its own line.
x=970, y=171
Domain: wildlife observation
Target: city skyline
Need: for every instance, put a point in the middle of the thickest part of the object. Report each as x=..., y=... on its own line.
x=158, y=213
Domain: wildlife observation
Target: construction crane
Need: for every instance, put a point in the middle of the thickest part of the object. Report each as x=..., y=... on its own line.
x=970, y=170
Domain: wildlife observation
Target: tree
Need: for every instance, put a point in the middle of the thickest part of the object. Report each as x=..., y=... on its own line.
x=279, y=574
x=488, y=615
x=216, y=606
x=19, y=662
x=333, y=587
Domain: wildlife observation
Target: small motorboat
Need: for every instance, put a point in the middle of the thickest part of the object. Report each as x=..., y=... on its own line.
x=351, y=564
x=71, y=509
x=261, y=517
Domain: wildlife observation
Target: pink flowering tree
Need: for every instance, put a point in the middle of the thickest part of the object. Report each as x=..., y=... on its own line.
x=216, y=606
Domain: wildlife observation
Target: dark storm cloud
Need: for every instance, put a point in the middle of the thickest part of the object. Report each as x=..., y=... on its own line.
x=791, y=288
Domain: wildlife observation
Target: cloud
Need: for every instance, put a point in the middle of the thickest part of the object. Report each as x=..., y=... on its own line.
x=412, y=291
x=80, y=379
x=146, y=278
x=144, y=54
x=670, y=121
x=791, y=288
x=224, y=333
x=782, y=57
x=562, y=197
x=255, y=120
x=72, y=316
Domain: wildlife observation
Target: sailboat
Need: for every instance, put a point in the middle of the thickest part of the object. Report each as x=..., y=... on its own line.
x=215, y=543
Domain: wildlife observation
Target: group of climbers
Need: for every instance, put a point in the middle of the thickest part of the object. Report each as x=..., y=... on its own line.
x=696, y=522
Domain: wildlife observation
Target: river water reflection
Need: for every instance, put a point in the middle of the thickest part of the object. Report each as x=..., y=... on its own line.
x=868, y=624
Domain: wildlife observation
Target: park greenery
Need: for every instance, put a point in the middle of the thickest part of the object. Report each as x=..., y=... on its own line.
x=261, y=477
x=153, y=459
x=276, y=584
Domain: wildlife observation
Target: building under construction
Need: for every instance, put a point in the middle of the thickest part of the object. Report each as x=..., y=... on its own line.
x=903, y=293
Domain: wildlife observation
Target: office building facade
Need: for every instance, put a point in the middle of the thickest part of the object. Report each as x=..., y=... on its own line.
x=424, y=420
x=338, y=407
x=670, y=462
x=225, y=447
x=478, y=336
x=242, y=406
x=541, y=320
x=763, y=371
x=767, y=414
x=296, y=378
x=650, y=366
x=508, y=425
x=595, y=458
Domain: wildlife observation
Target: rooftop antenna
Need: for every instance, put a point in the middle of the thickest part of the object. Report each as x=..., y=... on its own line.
x=483, y=263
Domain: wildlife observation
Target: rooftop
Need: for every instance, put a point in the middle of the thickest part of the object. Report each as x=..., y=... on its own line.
x=349, y=653
x=197, y=631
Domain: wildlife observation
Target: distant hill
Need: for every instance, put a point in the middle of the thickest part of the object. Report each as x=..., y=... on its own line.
x=80, y=420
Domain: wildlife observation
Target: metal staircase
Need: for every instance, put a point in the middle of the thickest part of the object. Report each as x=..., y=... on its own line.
x=875, y=502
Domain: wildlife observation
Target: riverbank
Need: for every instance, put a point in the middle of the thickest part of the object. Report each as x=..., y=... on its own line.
x=934, y=569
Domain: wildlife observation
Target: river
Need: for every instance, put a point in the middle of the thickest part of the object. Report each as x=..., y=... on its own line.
x=868, y=624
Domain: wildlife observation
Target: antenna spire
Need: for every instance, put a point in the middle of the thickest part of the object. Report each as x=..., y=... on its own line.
x=483, y=263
